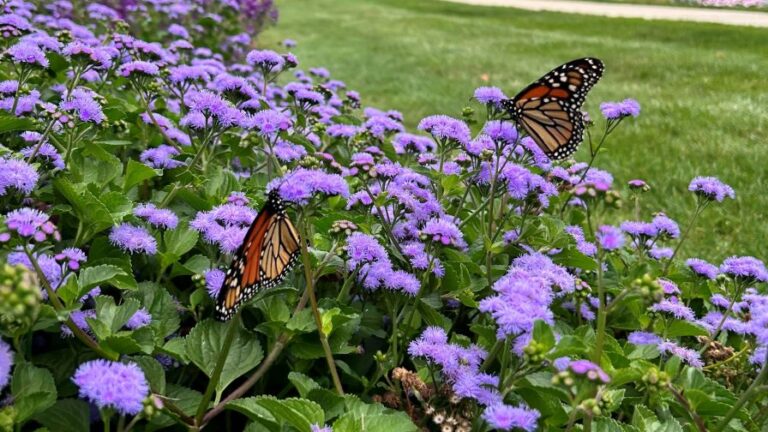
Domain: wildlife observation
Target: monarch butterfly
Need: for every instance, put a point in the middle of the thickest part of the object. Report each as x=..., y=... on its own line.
x=550, y=108
x=269, y=250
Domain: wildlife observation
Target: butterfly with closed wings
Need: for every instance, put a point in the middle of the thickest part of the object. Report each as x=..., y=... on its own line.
x=270, y=249
x=550, y=108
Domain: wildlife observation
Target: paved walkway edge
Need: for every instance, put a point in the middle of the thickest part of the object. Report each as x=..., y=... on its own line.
x=623, y=10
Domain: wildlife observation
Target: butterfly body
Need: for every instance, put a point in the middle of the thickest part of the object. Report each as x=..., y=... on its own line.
x=549, y=109
x=270, y=249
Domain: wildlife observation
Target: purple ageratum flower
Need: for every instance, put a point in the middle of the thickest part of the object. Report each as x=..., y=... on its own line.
x=507, y=417
x=617, y=110
x=161, y=157
x=406, y=142
x=299, y=186
x=287, y=152
x=266, y=60
x=745, y=268
x=501, y=131
x=9, y=87
x=643, y=230
x=342, y=130
x=523, y=184
x=238, y=198
x=380, y=126
x=668, y=286
x=178, y=30
x=702, y=268
x=455, y=359
x=480, y=144
x=31, y=223
x=638, y=184
x=610, y=238
x=318, y=428
x=72, y=256
x=47, y=153
x=364, y=249
x=711, y=188
x=582, y=245
x=97, y=56
x=443, y=127
x=687, y=355
x=660, y=253
x=543, y=267
x=225, y=225
x=161, y=218
x=82, y=102
x=17, y=174
x=673, y=307
x=112, y=385
x=188, y=74
x=28, y=53
x=80, y=319
x=490, y=96
x=420, y=259
x=592, y=371
x=214, y=280
x=13, y=25
x=643, y=338
x=138, y=68
x=288, y=43
x=444, y=231
x=140, y=318
x=6, y=362
x=133, y=239
x=270, y=122
x=666, y=227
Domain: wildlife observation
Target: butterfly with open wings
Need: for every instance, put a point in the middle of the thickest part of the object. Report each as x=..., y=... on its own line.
x=549, y=109
x=270, y=249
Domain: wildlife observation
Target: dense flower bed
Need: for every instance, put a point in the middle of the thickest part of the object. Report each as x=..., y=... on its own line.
x=464, y=280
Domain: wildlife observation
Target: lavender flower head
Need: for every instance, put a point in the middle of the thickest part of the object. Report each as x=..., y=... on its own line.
x=617, y=110
x=490, y=96
x=82, y=102
x=72, y=256
x=112, y=385
x=592, y=371
x=299, y=186
x=318, y=428
x=711, y=188
x=28, y=53
x=702, y=268
x=507, y=418
x=214, y=279
x=610, y=238
x=746, y=269
x=17, y=174
x=6, y=361
x=31, y=223
x=138, y=68
x=161, y=218
x=133, y=239
x=161, y=157
x=444, y=231
x=47, y=153
x=224, y=225
x=266, y=60
x=443, y=127
x=270, y=122
x=139, y=319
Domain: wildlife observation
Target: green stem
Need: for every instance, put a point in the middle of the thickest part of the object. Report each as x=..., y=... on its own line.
x=315, y=309
x=601, y=312
x=56, y=302
x=230, y=336
x=746, y=397
x=497, y=346
x=699, y=208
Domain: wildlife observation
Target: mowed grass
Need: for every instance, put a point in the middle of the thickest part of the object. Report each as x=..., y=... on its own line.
x=703, y=90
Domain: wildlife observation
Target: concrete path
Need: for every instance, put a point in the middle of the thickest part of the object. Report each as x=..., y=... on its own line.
x=720, y=16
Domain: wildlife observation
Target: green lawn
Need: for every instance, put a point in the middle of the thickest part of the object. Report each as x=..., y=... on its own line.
x=702, y=88
x=683, y=3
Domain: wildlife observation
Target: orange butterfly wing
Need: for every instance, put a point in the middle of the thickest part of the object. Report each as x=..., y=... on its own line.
x=262, y=261
x=550, y=109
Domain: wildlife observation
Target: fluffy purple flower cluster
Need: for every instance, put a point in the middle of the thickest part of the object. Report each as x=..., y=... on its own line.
x=17, y=175
x=30, y=223
x=224, y=225
x=106, y=384
x=133, y=239
x=687, y=355
x=617, y=110
x=301, y=185
x=711, y=189
x=374, y=268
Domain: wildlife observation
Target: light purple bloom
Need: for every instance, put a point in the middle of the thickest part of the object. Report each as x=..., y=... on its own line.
x=665, y=226
x=507, y=418
x=133, y=239
x=592, y=371
x=17, y=174
x=51, y=269
x=643, y=338
x=583, y=246
x=270, y=122
x=47, y=153
x=443, y=127
x=711, y=188
x=28, y=222
x=225, y=225
x=82, y=102
x=444, y=231
x=6, y=362
x=72, y=256
x=490, y=96
x=111, y=384
x=300, y=185
x=406, y=142
x=687, y=355
x=28, y=53
x=318, y=428
x=745, y=268
x=266, y=60
x=141, y=68
x=702, y=268
x=161, y=157
x=139, y=319
x=161, y=218
x=616, y=110
x=673, y=307
x=214, y=279
x=610, y=238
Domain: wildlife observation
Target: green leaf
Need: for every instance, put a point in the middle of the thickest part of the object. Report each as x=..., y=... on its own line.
x=542, y=334
x=137, y=172
x=98, y=275
x=299, y=413
x=103, y=253
x=110, y=318
x=205, y=342
x=92, y=213
x=160, y=304
x=67, y=415
x=303, y=383
x=154, y=372
x=176, y=243
x=602, y=424
x=33, y=390
x=684, y=328
x=13, y=123
x=355, y=422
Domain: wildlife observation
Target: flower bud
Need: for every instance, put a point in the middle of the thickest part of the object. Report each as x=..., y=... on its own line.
x=19, y=299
